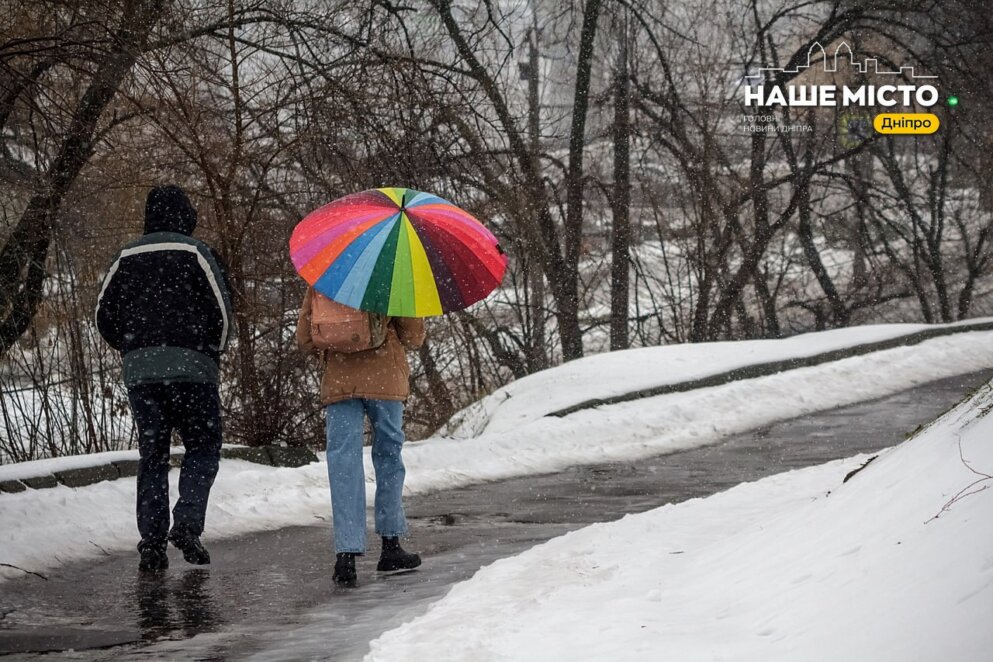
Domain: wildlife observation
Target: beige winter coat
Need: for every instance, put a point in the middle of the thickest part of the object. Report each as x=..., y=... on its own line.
x=379, y=374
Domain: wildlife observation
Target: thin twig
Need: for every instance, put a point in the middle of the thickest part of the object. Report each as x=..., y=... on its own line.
x=30, y=572
x=967, y=490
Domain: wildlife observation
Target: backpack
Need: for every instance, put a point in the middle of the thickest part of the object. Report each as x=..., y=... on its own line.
x=337, y=327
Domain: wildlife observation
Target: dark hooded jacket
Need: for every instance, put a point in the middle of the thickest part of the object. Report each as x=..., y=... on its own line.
x=165, y=303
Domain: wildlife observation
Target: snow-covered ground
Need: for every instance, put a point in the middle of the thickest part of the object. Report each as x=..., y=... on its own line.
x=616, y=373
x=43, y=528
x=51, y=465
x=896, y=564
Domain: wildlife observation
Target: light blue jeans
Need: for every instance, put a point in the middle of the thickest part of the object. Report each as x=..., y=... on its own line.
x=345, y=423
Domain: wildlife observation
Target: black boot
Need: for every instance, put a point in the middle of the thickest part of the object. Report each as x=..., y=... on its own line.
x=394, y=558
x=344, y=570
x=189, y=544
x=153, y=556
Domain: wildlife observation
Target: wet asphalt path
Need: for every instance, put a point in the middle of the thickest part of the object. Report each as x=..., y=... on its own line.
x=269, y=595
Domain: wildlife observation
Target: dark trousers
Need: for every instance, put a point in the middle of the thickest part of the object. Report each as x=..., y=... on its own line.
x=194, y=411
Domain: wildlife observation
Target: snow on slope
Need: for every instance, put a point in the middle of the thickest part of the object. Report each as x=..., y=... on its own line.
x=615, y=373
x=44, y=528
x=894, y=565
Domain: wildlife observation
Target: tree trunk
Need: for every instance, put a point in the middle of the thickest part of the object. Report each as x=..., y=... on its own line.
x=621, y=200
x=23, y=256
x=442, y=403
x=536, y=357
x=572, y=342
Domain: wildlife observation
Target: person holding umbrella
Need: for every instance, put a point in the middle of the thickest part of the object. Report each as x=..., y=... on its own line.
x=369, y=383
x=377, y=262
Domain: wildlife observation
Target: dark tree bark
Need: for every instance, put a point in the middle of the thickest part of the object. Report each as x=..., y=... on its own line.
x=621, y=200
x=23, y=256
x=536, y=357
x=805, y=232
x=572, y=341
x=442, y=403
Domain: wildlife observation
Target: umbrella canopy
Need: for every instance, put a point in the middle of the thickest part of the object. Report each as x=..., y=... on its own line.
x=398, y=252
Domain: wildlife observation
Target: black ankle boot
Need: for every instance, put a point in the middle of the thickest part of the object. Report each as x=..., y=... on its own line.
x=344, y=570
x=395, y=558
x=190, y=545
x=152, y=556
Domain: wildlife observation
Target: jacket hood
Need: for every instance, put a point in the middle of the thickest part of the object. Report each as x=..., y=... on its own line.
x=168, y=209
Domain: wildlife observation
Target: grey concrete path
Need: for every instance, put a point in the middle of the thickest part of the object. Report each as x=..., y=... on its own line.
x=269, y=595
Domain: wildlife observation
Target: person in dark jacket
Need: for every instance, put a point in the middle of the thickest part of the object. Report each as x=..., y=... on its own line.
x=165, y=305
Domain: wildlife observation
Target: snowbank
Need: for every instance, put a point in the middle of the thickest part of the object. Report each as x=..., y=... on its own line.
x=51, y=465
x=43, y=528
x=616, y=373
x=896, y=564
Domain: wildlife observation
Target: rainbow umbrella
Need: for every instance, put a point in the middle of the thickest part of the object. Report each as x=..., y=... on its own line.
x=398, y=252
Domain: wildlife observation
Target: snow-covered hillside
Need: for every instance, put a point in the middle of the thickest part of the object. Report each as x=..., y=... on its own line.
x=616, y=373
x=896, y=564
